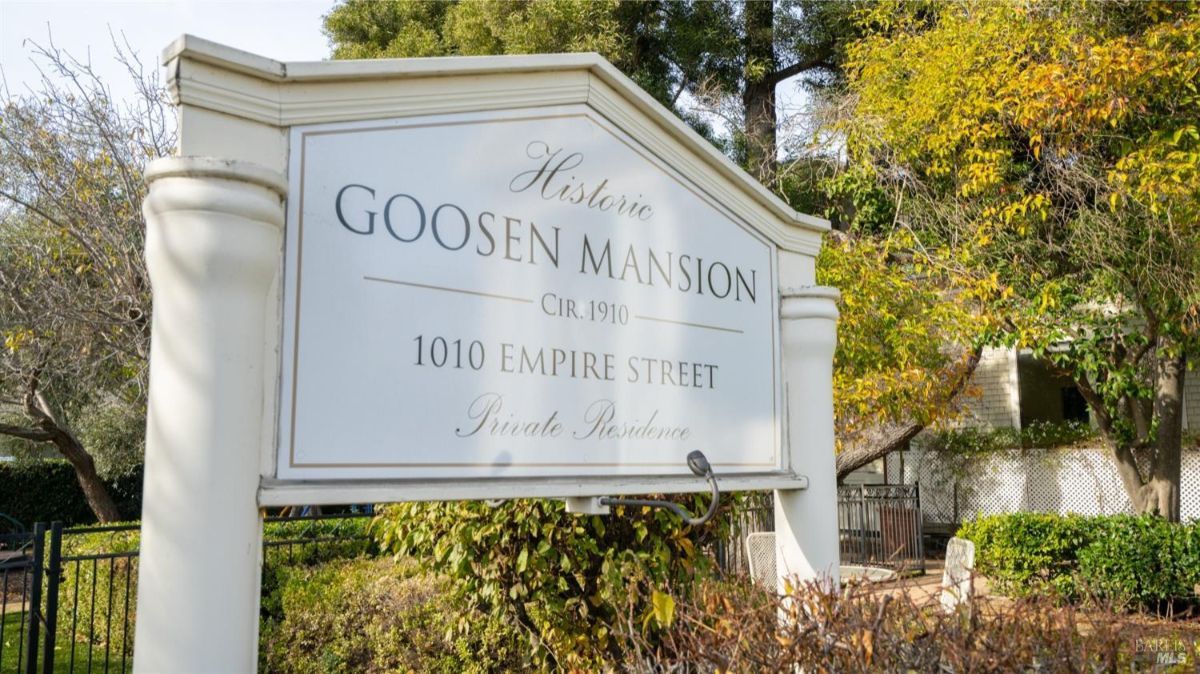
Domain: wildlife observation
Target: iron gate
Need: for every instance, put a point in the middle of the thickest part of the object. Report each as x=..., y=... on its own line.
x=70, y=594
x=880, y=525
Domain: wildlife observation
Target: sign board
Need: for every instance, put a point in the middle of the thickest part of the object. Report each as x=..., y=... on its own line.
x=517, y=293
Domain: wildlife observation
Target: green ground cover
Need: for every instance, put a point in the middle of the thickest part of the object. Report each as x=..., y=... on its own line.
x=62, y=659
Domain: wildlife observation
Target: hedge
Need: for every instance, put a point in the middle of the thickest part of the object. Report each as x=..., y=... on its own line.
x=92, y=596
x=1025, y=553
x=375, y=615
x=1142, y=561
x=1130, y=561
x=98, y=599
x=47, y=491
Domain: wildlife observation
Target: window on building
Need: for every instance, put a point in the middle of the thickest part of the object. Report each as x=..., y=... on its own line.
x=1047, y=395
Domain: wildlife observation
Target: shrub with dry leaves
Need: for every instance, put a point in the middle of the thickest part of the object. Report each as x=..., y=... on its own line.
x=733, y=626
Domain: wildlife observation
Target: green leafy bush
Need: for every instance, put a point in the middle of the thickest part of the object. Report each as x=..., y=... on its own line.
x=1142, y=561
x=1134, y=561
x=46, y=490
x=297, y=543
x=98, y=597
x=1029, y=553
x=1048, y=435
x=318, y=529
x=375, y=615
x=971, y=441
x=564, y=578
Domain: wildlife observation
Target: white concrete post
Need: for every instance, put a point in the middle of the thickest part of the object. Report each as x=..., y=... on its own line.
x=806, y=526
x=213, y=248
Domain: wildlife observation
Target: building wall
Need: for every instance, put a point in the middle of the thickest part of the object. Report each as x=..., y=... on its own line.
x=1003, y=393
x=1000, y=400
x=995, y=379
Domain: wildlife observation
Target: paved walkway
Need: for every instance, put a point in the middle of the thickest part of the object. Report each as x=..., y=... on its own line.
x=926, y=588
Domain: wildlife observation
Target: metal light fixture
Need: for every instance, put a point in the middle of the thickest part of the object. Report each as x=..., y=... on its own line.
x=699, y=465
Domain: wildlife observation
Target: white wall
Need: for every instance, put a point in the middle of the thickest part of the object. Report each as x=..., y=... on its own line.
x=1080, y=481
x=1191, y=398
x=995, y=379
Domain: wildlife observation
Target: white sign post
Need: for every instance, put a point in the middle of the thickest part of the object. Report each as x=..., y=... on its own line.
x=434, y=279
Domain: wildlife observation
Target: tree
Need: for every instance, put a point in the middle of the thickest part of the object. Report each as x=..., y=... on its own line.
x=784, y=40
x=907, y=345
x=631, y=35
x=895, y=373
x=1059, y=141
x=911, y=319
x=706, y=49
x=74, y=293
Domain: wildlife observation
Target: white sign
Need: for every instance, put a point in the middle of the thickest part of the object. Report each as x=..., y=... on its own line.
x=517, y=293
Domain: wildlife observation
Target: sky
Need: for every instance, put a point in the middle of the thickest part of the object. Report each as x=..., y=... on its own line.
x=285, y=30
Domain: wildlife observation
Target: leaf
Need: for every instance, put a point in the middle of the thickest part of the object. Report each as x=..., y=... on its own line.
x=664, y=608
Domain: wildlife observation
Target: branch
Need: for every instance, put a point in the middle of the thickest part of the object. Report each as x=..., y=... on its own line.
x=895, y=437
x=45, y=409
x=33, y=208
x=34, y=434
x=797, y=68
x=1093, y=399
x=72, y=232
x=683, y=83
x=35, y=404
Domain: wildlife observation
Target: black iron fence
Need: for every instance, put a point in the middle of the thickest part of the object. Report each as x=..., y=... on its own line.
x=754, y=513
x=16, y=583
x=70, y=594
x=880, y=525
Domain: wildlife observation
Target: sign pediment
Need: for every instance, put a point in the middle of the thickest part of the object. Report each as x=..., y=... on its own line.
x=209, y=76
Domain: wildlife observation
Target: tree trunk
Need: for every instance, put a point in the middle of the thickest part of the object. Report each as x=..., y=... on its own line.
x=93, y=488
x=1158, y=494
x=758, y=97
x=881, y=442
x=49, y=428
x=1131, y=476
x=1165, y=473
x=98, y=498
x=1157, y=491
